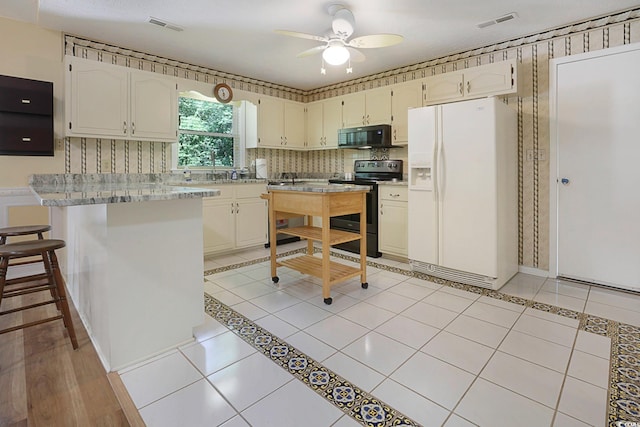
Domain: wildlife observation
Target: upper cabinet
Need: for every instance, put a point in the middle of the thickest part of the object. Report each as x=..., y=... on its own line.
x=324, y=119
x=371, y=107
x=404, y=96
x=26, y=117
x=493, y=79
x=105, y=100
x=281, y=124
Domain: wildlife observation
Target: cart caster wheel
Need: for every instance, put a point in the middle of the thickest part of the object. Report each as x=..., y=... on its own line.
x=275, y=279
x=328, y=301
x=365, y=285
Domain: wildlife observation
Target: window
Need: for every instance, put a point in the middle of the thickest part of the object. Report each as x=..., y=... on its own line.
x=206, y=132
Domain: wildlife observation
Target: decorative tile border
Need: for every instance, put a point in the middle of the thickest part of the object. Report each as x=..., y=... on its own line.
x=353, y=401
x=624, y=363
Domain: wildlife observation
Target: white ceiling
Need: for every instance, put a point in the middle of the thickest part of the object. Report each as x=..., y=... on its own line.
x=237, y=36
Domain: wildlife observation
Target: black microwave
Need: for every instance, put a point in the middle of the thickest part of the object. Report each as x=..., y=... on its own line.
x=378, y=136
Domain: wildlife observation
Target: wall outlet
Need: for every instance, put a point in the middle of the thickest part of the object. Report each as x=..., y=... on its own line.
x=536, y=155
x=59, y=144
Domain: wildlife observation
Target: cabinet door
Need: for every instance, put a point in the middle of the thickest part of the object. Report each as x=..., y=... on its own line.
x=315, y=125
x=353, y=110
x=444, y=87
x=218, y=221
x=271, y=122
x=332, y=121
x=492, y=79
x=393, y=227
x=404, y=96
x=98, y=100
x=294, y=125
x=153, y=107
x=251, y=222
x=378, y=106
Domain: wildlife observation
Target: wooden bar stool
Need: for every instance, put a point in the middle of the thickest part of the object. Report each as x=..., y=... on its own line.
x=22, y=230
x=51, y=280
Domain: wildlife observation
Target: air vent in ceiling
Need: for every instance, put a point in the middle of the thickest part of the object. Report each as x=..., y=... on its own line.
x=504, y=18
x=165, y=24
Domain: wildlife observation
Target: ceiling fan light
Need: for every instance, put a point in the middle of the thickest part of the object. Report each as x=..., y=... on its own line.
x=335, y=55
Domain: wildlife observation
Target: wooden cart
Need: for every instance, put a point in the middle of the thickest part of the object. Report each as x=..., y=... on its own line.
x=322, y=201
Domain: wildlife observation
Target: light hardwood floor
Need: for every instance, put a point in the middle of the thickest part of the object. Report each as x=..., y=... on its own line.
x=44, y=382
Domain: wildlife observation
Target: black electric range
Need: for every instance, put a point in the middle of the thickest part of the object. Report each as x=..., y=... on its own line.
x=367, y=172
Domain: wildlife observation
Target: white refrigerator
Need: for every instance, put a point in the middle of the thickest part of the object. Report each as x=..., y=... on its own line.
x=463, y=212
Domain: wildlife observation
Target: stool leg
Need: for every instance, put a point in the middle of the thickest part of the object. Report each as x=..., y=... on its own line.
x=4, y=264
x=66, y=314
x=54, y=289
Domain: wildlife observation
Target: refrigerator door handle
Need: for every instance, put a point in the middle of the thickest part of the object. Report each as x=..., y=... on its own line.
x=439, y=161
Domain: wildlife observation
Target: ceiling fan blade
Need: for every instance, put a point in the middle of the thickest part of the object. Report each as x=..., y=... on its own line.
x=375, y=40
x=311, y=51
x=302, y=35
x=355, y=55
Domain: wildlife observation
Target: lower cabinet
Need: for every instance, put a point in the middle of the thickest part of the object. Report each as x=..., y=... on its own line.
x=393, y=220
x=236, y=219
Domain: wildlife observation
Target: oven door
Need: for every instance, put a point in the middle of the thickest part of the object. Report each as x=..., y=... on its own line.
x=352, y=222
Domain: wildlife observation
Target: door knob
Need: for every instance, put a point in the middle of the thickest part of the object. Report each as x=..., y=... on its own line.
x=565, y=181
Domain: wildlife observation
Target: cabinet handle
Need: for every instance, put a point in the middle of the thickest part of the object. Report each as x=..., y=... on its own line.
x=468, y=87
x=124, y=127
x=281, y=140
x=232, y=212
x=394, y=195
x=381, y=212
x=460, y=88
x=237, y=207
x=394, y=135
x=133, y=128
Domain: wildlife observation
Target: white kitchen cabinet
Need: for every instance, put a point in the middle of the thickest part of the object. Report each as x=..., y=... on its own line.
x=393, y=219
x=281, y=124
x=332, y=121
x=105, y=100
x=404, y=96
x=294, y=125
x=324, y=119
x=315, y=125
x=218, y=223
x=492, y=79
x=371, y=107
x=236, y=219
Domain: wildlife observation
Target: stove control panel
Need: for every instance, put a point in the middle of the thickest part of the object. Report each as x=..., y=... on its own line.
x=368, y=166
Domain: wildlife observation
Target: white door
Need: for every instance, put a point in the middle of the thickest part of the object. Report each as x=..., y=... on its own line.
x=598, y=164
x=467, y=187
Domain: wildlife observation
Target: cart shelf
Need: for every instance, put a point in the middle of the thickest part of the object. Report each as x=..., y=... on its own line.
x=315, y=233
x=307, y=264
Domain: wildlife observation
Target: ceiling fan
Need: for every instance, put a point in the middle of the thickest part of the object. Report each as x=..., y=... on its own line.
x=337, y=49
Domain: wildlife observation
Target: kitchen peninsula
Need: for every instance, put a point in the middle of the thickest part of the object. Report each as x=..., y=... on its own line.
x=133, y=261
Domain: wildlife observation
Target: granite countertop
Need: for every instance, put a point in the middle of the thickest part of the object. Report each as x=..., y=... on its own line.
x=318, y=187
x=91, y=189
x=395, y=183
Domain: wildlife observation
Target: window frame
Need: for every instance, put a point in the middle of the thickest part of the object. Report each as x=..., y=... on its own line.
x=239, y=149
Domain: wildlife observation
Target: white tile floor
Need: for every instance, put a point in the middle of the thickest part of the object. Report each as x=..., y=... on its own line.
x=440, y=355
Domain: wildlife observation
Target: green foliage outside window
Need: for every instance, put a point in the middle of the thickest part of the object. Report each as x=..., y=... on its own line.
x=205, y=126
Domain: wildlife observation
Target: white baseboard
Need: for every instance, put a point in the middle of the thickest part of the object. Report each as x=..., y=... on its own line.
x=533, y=271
